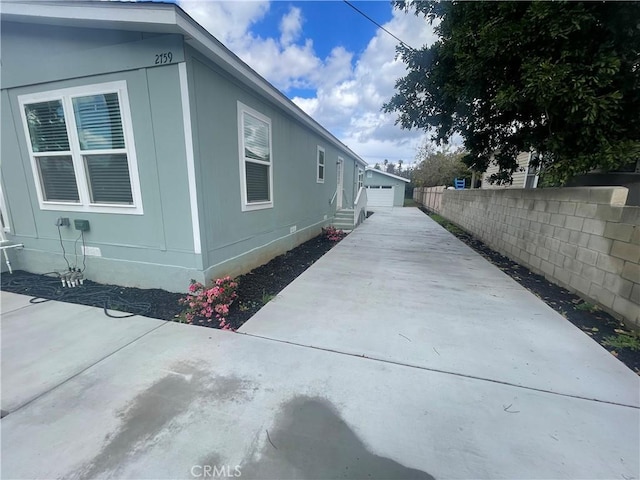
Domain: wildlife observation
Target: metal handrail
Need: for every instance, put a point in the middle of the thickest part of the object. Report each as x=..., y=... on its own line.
x=359, y=205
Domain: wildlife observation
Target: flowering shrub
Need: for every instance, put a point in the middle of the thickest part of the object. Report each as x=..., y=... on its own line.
x=209, y=302
x=333, y=234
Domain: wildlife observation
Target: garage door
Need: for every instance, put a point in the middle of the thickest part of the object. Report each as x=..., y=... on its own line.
x=380, y=196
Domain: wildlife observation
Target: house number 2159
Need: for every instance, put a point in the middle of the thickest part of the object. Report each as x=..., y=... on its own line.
x=162, y=58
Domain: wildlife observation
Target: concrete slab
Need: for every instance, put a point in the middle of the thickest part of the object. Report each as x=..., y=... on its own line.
x=45, y=344
x=183, y=398
x=12, y=301
x=401, y=288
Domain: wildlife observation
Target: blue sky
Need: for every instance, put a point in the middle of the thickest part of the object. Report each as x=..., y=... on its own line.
x=331, y=61
x=329, y=23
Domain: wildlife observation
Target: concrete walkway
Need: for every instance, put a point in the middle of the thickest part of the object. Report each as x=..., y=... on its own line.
x=464, y=375
x=402, y=289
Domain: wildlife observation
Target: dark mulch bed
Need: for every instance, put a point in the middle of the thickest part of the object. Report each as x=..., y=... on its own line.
x=254, y=289
x=595, y=323
x=154, y=303
x=263, y=283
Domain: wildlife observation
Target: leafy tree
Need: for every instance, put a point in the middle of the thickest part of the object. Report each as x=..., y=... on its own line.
x=561, y=78
x=438, y=167
x=390, y=168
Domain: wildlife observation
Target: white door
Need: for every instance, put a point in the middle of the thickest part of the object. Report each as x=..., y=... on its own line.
x=378, y=196
x=339, y=182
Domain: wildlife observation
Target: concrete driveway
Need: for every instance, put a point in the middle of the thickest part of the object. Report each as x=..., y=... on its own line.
x=400, y=354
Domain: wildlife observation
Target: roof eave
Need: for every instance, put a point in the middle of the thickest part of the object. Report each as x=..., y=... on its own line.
x=197, y=37
x=373, y=169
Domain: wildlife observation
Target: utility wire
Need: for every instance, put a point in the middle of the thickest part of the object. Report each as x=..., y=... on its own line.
x=45, y=287
x=376, y=23
x=84, y=253
x=64, y=253
x=75, y=248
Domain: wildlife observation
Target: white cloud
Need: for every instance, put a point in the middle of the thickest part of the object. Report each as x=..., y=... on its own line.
x=350, y=106
x=227, y=21
x=348, y=97
x=291, y=26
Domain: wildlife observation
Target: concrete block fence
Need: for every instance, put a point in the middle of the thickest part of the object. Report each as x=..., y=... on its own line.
x=584, y=239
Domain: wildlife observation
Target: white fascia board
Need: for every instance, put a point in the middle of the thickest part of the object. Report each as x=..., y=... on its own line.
x=130, y=17
x=372, y=169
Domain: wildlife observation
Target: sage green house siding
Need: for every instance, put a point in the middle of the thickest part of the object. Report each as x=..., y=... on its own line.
x=299, y=201
x=153, y=248
x=184, y=119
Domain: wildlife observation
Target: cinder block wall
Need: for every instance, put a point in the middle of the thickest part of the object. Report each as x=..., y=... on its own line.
x=584, y=239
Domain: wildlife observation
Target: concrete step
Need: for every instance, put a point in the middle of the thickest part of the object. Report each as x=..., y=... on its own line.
x=344, y=228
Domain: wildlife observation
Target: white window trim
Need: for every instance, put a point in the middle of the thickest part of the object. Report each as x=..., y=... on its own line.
x=245, y=205
x=324, y=165
x=526, y=174
x=5, y=214
x=85, y=205
x=188, y=144
x=360, y=181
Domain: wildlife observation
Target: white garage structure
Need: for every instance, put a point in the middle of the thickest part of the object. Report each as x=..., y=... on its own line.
x=384, y=189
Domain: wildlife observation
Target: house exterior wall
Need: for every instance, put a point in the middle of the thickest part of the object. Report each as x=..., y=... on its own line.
x=383, y=180
x=152, y=249
x=519, y=176
x=235, y=241
x=584, y=239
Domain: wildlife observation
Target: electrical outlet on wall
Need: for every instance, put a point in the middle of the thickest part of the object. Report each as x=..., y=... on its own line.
x=82, y=225
x=293, y=229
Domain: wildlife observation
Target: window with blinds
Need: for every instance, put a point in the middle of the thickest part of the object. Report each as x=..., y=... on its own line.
x=320, y=173
x=101, y=142
x=78, y=143
x=51, y=151
x=256, y=158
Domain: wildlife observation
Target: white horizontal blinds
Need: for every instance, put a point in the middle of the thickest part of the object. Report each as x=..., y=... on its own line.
x=256, y=138
x=320, y=164
x=47, y=127
x=50, y=146
x=257, y=154
x=257, y=182
x=102, y=145
x=108, y=177
x=58, y=178
x=98, y=121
